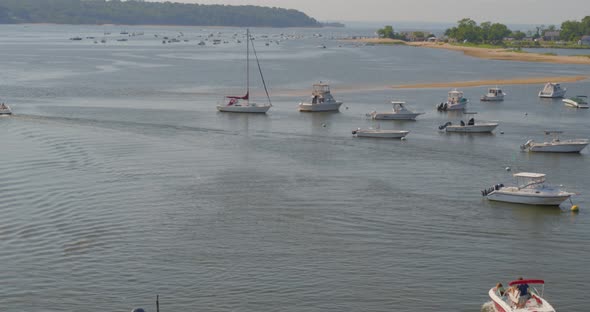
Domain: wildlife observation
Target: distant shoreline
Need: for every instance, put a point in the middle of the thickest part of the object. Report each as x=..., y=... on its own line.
x=486, y=53
x=161, y=25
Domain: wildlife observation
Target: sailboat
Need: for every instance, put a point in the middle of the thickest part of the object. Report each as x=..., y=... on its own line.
x=242, y=104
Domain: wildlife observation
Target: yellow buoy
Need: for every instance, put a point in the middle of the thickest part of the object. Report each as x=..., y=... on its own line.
x=575, y=208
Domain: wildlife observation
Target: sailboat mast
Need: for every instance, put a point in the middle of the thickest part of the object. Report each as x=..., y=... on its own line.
x=248, y=64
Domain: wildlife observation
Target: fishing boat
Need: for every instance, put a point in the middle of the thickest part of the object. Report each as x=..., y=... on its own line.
x=321, y=100
x=530, y=189
x=494, y=94
x=455, y=101
x=380, y=133
x=510, y=300
x=556, y=145
x=579, y=101
x=552, y=90
x=242, y=104
x=470, y=127
x=399, y=112
x=5, y=110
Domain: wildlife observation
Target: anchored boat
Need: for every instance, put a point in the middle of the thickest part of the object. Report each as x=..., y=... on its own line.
x=555, y=145
x=455, y=101
x=579, y=101
x=242, y=104
x=380, y=133
x=321, y=100
x=552, y=90
x=530, y=189
x=399, y=112
x=470, y=127
x=494, y=94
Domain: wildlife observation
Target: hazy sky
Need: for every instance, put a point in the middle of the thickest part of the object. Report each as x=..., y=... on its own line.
x=505, y=11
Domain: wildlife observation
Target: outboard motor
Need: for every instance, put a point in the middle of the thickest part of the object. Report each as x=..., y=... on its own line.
x=442, y=127
x=526, y=145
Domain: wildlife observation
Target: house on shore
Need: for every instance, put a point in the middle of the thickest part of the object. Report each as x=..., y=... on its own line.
x=551, y=35
x=584, y=41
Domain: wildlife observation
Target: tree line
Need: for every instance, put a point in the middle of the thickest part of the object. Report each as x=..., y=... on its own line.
x=154, y=13
x=467, y=30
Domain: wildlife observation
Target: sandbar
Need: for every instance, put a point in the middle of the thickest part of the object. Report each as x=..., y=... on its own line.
x=492, y=82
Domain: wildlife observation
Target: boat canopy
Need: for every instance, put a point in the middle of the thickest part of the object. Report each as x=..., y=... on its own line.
x=398, y=102
x=527, y=281
x=321, y=88
x=530, y=175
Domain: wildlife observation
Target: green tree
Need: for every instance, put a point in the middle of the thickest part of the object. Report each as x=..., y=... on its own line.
x=571, y=30
x=498, y=32
x=518, y=35
x=386, y=32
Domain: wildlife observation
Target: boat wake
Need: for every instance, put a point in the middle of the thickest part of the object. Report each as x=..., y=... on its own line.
x=488, y=307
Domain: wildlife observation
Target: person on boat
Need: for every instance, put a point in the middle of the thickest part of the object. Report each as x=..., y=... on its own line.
x=500, y=289
x=523, y=289
x=471, y=121
x=462, y=123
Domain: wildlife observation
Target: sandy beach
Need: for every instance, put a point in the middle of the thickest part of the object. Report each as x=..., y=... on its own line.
x=490, y=54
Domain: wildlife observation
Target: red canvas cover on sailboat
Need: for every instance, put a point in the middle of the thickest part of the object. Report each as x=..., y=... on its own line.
x=245, y=97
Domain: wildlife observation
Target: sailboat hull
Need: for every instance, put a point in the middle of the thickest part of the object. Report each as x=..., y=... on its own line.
x=253, y=109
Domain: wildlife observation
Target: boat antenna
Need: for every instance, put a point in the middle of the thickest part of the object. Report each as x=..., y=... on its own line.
x=261, y=75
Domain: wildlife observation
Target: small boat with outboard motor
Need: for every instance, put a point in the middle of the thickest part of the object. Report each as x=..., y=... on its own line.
x=555, y=145
x=455, y=101
x=493, y=95
x=530, y=189
x=399, y=112
x=471, y=126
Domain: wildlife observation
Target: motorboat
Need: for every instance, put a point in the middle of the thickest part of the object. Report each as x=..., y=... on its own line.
x=552, y=90
x=455, y=101
x=470, y=127
x=321, y=100
x=399, y=112
x=380, y=133
x=5, y=110
x=555, y=145
x=579, y=101
x=242, y=104
x=494, y=94
x=530, y=189
x=510, y=300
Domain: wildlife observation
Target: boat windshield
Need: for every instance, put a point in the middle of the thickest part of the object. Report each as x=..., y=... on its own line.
x=321, y=88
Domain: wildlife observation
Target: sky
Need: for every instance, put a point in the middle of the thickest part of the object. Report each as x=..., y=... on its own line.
x=503, y=11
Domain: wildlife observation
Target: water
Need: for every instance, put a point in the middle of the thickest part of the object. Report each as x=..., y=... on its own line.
x=120, y=181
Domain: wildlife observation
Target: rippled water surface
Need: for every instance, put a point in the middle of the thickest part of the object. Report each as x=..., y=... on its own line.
x=120, y=181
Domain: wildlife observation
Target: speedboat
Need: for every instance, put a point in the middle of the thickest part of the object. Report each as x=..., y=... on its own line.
x=530, y=189
x=579, y=101
x=455, y=101
x=555, y=145
x=399, y=112
x=242, y=104
x=471, y=127
x=494, y=94
x=321, y=100
x=510, y=301
x=5, y=110
x=552, y=90
x=380, y=133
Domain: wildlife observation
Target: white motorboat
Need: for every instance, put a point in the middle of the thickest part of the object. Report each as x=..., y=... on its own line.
x=321, y=100
x=531, y=190
x=399, y=112
x=455, y=101
x=552, y=90
x=5, y=109
x=470, y=127
x=380, y=133
x=494, y=94
x=242, y=104
x=555, y=145
x=579, y=101
x=511, y=299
